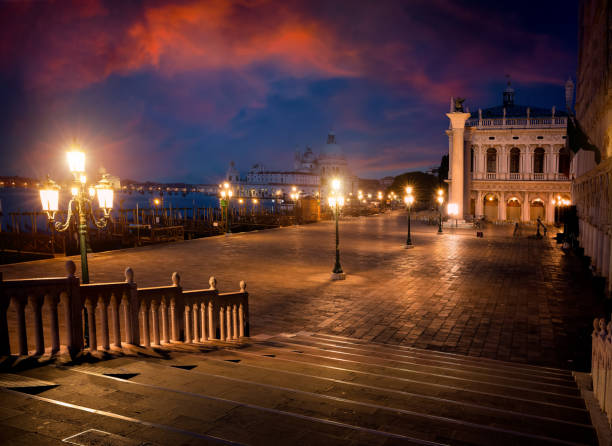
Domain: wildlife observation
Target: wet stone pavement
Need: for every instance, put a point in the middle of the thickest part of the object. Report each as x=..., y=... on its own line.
x=513, y=299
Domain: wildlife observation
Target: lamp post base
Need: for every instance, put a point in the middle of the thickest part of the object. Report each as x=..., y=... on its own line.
x=338, y=276
x=408, y=246
x=439, y=232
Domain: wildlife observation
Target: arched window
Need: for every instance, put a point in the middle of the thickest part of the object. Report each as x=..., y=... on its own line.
x=538, y=160
x=491, y=160
x=515, y=160
x=564, y=161
x=472, y=159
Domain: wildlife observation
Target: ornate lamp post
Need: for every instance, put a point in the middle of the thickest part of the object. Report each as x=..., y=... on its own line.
x=409, y=199
x=440, y=200
x=80, y=205
x=226, y=194
x=295, y=196
x=336, y=201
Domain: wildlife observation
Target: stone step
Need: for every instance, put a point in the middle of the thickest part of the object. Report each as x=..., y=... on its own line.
x=450, y=358
x=446, y=356
x=161, y=394
x=440, y=365
x=562, y=395
x=218, y=394
x=362, y=393
x=301, y=388
x=27, y=419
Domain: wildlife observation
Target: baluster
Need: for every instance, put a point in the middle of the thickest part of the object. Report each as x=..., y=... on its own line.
x=235, y=320
x=114, y=304
x=5, y=345
x=65, y=302
x=104, y=322
x=211, y=321
x=163, y=309
x=194, y=314
x=91, y=320
x=51, y=305
x=127, y=319
x=188, y=338
x=144, y=318
x=222, y=323
x=36, y=304
x=155, y=320
x=241, y=320
x=173, y=321
x=228, y=314
x=203, y=321
x=21, y=326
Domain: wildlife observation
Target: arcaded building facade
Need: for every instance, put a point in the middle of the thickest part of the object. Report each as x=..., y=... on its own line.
x=508, y=162
x=592, y=165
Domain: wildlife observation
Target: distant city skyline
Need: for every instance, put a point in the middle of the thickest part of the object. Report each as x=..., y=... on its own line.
x=172, y=91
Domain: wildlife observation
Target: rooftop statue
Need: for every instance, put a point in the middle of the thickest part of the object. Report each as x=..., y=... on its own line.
x=459, y=104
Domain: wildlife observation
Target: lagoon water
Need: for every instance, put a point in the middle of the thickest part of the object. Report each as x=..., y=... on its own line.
x=17, y=199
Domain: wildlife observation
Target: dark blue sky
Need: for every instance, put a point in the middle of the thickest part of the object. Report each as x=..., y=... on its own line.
x=174, y=90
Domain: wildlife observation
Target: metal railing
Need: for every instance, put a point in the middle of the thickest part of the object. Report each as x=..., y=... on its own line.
x=52, y=311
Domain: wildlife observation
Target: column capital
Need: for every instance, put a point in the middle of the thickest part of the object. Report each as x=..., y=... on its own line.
x=458, y=119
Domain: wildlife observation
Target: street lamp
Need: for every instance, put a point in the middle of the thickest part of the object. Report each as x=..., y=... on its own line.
x=409, y=199
x=295, y=196
x=226, y=195
x=336, y=201
x=440, y=200
x=80, y=205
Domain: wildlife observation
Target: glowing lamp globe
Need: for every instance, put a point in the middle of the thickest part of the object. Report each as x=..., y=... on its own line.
x=104, y=190
x=336, y=184
x=49, y=197
x=76, y=161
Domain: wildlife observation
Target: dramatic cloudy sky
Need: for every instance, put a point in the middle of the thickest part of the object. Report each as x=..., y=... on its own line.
x=174, y=90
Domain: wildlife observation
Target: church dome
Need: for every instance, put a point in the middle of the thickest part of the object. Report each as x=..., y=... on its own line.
x=332, y=149
x=309, y=157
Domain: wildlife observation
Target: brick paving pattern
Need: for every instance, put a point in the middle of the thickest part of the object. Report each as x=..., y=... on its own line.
x=515, y=299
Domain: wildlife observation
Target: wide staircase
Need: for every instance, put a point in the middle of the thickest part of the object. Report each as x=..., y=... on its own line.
x=298, y=389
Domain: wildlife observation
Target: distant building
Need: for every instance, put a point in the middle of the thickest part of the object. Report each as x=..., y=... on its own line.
x=386, y=182
x=311, y=175
x=508, y=162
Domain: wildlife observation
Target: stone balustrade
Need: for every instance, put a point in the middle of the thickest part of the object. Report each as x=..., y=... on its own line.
x=601, y=364
x=51, y=311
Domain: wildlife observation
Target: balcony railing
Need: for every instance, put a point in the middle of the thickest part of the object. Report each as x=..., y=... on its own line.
x=513, y=123
x=52, y=310
x=515, y=176
x=491, y=175
x=538, y=176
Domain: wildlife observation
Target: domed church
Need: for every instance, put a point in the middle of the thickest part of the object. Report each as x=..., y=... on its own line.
x=311, y=174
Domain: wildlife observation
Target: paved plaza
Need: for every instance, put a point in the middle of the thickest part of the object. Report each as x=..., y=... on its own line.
x=515, y=299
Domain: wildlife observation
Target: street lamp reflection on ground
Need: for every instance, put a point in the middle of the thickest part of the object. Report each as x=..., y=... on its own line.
x=453, y=209
x=336, y=201
x=409, y=200
x=440, y=201
x=80, y=205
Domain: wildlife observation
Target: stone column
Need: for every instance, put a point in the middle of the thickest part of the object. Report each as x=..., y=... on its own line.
x=479, y=209
x=525, y=208
x=550, y=209
x=501, y=207
x=456, y=160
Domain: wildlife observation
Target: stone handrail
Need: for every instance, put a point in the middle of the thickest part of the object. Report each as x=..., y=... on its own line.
x=601, y=364
x=119, y=312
